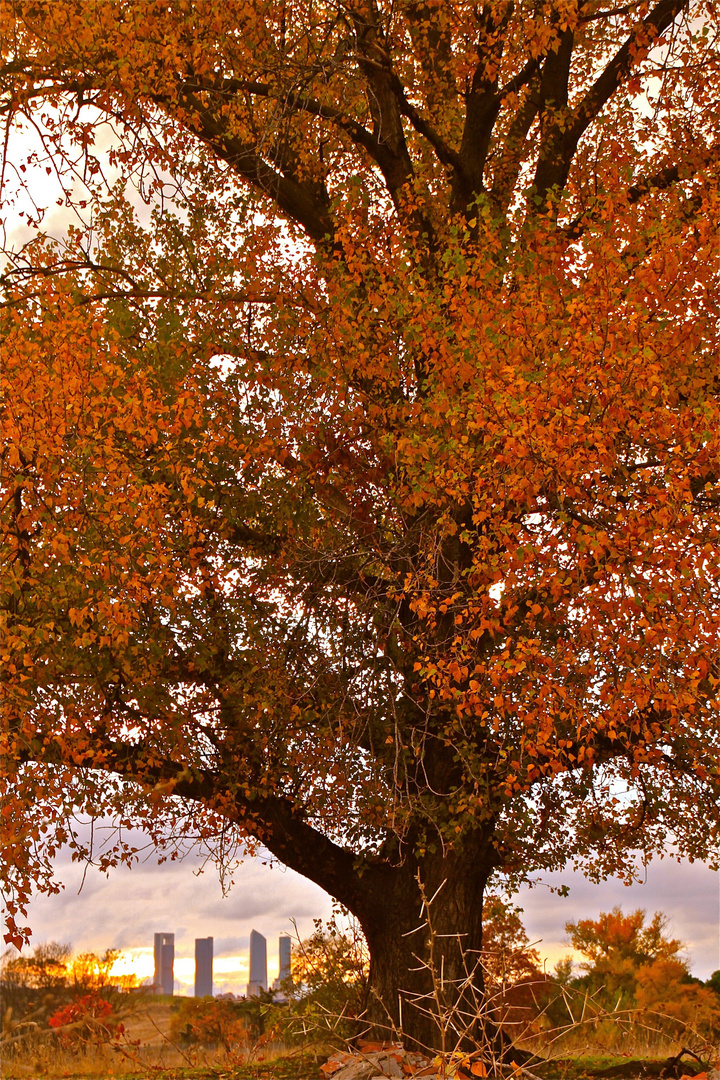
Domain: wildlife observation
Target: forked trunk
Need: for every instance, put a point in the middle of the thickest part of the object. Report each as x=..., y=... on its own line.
x=423, y=924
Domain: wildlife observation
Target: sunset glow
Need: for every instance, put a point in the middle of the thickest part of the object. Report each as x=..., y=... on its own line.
x=137, y=962
x=230, y=973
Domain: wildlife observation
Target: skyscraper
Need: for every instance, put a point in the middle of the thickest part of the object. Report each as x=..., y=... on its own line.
x=163, y=980
x=258, y=964
x=285, y=954
x=203, y=967
x=284, y=957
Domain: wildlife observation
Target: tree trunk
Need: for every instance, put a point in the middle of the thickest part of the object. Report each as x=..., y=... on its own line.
x=422, y=919
x=423, y=924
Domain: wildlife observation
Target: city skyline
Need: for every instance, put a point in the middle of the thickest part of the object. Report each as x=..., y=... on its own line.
x=163, y=978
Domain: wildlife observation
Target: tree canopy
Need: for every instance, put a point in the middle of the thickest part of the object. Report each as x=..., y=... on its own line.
x=362, y=464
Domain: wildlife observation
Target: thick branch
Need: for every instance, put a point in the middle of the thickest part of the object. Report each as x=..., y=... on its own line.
x=374, y=61
x=356, y=132
x=554, y=160
x=514, y=149
x=444, y=152
x=660, y=18
x=483, y=102
x=559, y=145
x=299, y=201
x=271, y=819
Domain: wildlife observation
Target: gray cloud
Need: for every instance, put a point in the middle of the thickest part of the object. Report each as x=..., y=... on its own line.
x=230, y=946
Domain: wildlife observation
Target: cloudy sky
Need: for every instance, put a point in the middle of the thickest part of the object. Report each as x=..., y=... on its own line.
x=127, y=908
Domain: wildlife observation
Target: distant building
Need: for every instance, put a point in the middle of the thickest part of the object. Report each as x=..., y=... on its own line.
x=164, y=978
x=203, y=967
x=285, y=954
x=258, y=965
x=285, y=958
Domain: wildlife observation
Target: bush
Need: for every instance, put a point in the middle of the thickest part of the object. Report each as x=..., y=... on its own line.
x=328, y=989
x=86, y=1019
x=679, y=1002
x=212, y=1022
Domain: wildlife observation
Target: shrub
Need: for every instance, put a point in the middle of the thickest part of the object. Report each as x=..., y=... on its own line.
x=212, y=1022
x=86, y=1019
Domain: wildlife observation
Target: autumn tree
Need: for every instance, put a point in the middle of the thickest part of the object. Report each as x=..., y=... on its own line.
x=45, y=969
x=88, y=971
x=632, y=964
x=332, y=963
x=617, y=946
x=507, y=955
x=326, y=993
x=362, y=460
x=212, y=1021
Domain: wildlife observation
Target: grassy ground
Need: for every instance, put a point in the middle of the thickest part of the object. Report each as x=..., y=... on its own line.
x=633, y=1061
x=296, y=1066
x=159, y=1065
x=609, y=1067
x=305, y=1067
x=95, y=1065
x=146, y=1051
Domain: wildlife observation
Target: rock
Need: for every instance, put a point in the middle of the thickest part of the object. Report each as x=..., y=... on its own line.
x=357, y=1069
x=377, y=1061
